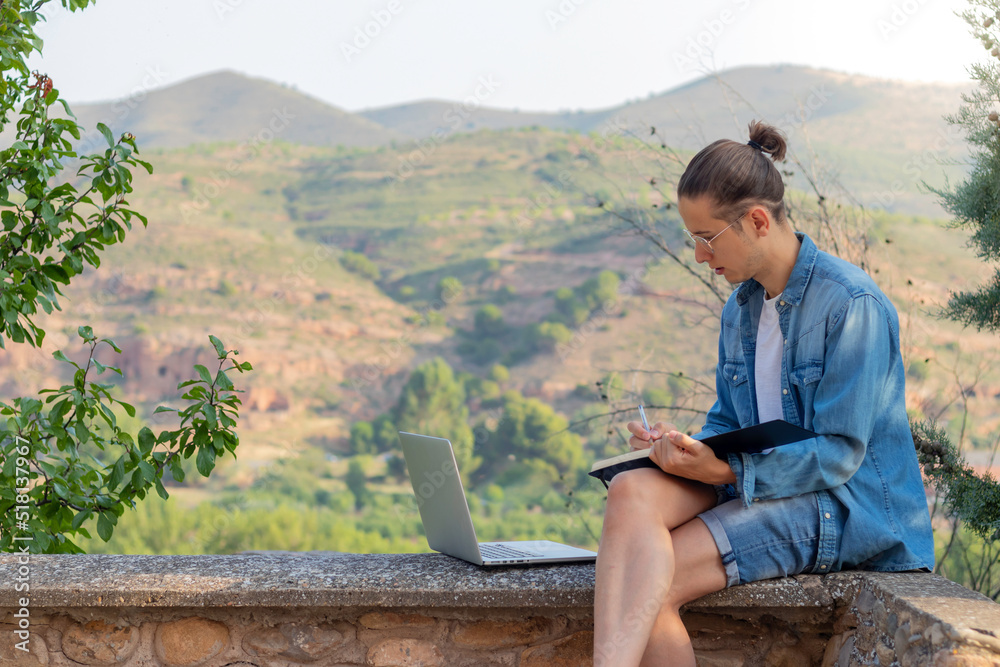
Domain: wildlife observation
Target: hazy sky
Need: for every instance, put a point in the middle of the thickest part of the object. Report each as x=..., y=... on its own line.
x=534, y=54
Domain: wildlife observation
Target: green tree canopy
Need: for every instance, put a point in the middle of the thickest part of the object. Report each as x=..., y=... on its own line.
x=531, y=429
x=433, y=403
x=975, y=202
x=65, y=463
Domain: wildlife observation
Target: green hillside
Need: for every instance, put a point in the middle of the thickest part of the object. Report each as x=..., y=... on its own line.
x=336, y=272
x=881, y=139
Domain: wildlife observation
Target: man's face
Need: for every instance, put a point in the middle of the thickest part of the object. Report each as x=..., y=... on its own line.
x=733, y=253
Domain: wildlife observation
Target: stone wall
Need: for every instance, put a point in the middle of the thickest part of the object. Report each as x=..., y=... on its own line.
x=289, y=610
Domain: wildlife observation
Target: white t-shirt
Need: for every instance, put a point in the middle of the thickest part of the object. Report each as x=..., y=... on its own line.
x=767, y=367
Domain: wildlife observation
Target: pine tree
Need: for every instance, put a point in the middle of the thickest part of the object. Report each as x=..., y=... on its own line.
x=975, y=203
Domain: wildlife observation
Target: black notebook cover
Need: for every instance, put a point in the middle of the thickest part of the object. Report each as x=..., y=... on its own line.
x=746, y=440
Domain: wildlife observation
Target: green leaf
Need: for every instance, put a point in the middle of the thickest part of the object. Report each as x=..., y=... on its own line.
x=203, y=372
x=117, y=474
x=210, y=416
x=205, y=460
x=80, y=518
x=104, y=526
x=219, y=347
x=129, y=409
x=146, y=440
x=60, y=488
x=107, y=133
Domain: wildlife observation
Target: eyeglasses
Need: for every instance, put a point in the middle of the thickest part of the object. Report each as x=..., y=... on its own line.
x=707, y=243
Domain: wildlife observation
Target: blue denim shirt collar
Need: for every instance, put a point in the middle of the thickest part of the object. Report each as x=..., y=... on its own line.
x=797, y=281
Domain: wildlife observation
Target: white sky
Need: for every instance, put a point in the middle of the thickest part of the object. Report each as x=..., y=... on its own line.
x=544, y=55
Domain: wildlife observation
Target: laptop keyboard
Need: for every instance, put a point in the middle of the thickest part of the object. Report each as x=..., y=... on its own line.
x=503, y=552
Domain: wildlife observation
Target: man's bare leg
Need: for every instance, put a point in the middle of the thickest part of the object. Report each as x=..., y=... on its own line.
x=636, y=560
x=700, y=571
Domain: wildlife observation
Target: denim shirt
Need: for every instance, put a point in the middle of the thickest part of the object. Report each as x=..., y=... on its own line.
x=841, y=377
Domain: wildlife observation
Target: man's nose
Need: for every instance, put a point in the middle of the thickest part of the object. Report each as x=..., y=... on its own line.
x=701, y=253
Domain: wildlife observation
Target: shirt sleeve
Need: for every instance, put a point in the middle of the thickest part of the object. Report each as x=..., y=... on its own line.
x=860, y=349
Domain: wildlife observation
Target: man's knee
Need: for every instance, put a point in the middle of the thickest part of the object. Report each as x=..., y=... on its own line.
x=633, y=486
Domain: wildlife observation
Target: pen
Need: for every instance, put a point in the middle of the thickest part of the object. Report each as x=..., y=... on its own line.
x=642, y=413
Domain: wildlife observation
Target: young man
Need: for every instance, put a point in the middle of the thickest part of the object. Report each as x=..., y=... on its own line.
x=807, y=338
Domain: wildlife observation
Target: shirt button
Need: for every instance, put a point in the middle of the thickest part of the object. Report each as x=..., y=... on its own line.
x=827, y=515
x=784, y=391
x=756, y=500
x=735, y=377
x=781, y=303
x=822, y=567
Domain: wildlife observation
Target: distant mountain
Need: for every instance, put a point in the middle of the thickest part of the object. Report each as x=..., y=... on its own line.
x=418, y=120
x=840, y=109
x=226, y=106
x=880, y=139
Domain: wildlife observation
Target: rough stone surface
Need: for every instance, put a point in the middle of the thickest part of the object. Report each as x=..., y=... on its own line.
x=405, y=653
x=720, y=658
x=262, y=580
x=378, y=620
x=99, y=643
x=483, y=634
x=577, y=650
x=37, y=654
x=190, y=641
x=288, y=610
x=948, y=658
x=302, y=642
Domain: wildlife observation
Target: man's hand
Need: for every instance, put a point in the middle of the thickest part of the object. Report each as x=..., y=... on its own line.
x=642, y=439
x=678, y=454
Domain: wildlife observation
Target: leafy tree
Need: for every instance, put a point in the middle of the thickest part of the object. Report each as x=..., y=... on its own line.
x=569, y=308
x=489, y=322
x=362, y=438
x=384, y=433
x=448, y=288
x=531, y=429
x=975, y=203
x=64, y=460
x=357, y=483
x=972, y=502
x=599, y=290
x=433, y=402
x=499, y=373
x=546, y=336
x=355, y=262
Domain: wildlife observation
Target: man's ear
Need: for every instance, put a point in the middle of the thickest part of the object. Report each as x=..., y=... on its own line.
x=761, y=219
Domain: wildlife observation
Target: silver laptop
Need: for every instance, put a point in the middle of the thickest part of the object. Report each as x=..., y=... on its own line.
x=445, y=513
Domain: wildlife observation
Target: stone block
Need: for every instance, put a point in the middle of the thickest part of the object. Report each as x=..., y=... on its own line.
x=301, y=642
x=577, y=650
x=720, y=658
x=190, y=642
x=886, y=655
x=99, y=643
x=787, y=656
x=502, y=634
x=37, y=654
x=953, y=658
x=865, y=602
x=386, y=620
x=846, y=651
x=405, y=653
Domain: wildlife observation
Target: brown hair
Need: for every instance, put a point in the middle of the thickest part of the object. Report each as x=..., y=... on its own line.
x=735, y=175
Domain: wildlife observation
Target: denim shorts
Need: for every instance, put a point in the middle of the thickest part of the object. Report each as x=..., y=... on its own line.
x=772, y=538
